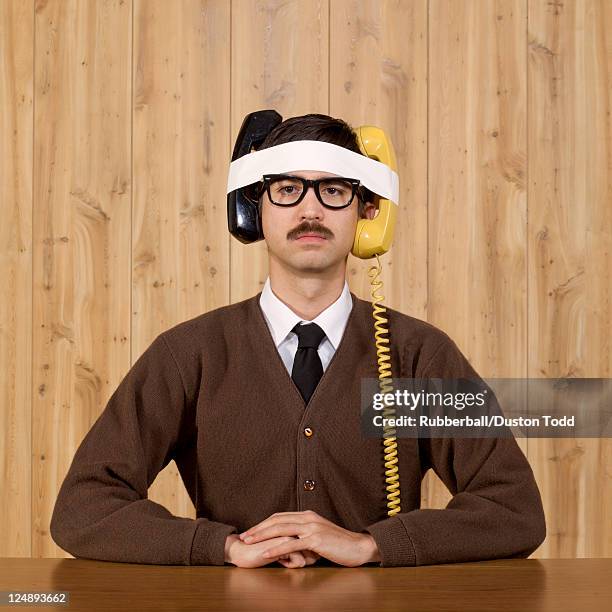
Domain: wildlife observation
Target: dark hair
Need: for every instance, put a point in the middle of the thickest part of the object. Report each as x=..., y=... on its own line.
x=315, y=126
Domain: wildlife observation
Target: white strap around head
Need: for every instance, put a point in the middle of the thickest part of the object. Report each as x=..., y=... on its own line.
x=314, y=155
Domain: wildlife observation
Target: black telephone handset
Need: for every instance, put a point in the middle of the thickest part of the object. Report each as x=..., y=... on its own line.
x=243, y=217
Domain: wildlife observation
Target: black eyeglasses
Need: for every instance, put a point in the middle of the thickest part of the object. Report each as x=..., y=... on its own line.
x=288, y=190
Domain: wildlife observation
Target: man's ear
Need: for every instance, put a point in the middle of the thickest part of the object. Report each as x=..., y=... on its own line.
x=370, y=208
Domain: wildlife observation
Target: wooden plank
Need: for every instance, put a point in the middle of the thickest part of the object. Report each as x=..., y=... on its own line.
x=81, y=233
x=477, y=191
x=16, y=101
x=180, y=151
x=378, y=76
x=570, y=255
x=279, y=61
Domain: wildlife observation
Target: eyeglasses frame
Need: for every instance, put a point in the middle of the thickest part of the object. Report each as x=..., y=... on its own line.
x=306, y=184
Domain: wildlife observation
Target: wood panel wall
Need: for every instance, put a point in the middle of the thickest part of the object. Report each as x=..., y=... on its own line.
x=117, y=123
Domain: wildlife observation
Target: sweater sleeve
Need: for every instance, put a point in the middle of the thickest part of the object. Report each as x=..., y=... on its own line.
x=102, y=511
x=496, y=509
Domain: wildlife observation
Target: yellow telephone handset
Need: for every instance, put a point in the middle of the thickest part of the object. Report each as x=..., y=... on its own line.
x=374, y=236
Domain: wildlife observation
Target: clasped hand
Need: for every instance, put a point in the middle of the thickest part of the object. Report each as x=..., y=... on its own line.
x=296, y=539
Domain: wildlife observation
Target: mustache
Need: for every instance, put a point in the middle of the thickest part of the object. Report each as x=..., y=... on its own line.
x=309, y=228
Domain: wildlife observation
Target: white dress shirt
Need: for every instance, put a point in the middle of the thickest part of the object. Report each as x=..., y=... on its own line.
x=281, y=320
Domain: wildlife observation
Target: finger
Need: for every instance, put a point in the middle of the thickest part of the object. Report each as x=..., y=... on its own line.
x=310, y=557
x=293, y=560
x=271, y=519
x=293, y=545
x=278, y=530
x=295, y=517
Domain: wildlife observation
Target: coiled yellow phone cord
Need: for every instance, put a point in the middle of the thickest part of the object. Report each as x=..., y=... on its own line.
x=386, y=386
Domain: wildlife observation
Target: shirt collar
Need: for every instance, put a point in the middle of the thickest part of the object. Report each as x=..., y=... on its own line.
x=281, y=319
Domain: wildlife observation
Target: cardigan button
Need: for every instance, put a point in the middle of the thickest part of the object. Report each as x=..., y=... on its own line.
x=308, y=432
x=309, y=485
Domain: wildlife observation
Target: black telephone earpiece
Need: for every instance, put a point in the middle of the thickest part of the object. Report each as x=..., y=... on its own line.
x=243, y=218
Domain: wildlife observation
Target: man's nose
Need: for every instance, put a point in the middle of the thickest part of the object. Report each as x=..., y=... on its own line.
x=310, y=204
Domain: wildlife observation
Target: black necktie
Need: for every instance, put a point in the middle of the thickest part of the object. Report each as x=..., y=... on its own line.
x=307, y=367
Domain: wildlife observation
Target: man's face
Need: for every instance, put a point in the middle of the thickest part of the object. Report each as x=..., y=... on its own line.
x=289, y=230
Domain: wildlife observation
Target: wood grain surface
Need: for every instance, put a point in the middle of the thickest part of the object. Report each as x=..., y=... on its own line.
x=529, y=585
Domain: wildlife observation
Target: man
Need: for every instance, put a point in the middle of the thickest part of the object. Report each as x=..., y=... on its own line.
x=265, y=455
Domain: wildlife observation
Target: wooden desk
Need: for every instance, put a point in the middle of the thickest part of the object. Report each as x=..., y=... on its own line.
x=583, y=585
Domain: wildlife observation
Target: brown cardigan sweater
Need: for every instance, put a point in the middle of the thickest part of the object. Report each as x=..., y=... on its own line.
x=213, y=394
